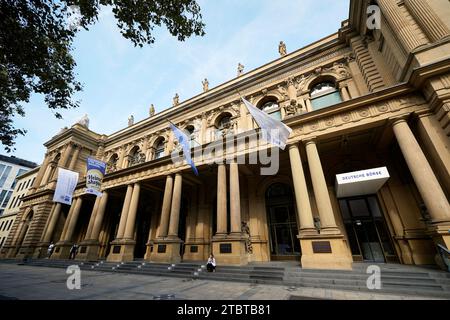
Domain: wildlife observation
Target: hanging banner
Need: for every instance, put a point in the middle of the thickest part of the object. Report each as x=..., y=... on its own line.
x=65, y=186
x=94, y=176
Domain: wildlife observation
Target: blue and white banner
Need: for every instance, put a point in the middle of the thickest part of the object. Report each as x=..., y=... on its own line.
x=273, y=131
x=65, y=186
x=184, y=141
x=94, y=176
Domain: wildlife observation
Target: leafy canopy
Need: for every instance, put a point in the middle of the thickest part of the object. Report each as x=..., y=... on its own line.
x=36, y=39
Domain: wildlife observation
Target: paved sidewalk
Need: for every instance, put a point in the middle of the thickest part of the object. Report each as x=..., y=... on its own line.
x=25, y=282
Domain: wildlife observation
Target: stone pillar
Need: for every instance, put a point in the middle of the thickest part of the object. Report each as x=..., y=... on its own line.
x=73, y=162
x=175, y=209
x=423, y=175
x=42, y=170
x=400, y=25
x=99, y=216
x=221, y=200
x=65, y=156
x=165, y=211
x=437, y=145
x=92, y=218
x=167, y=245
x=48, y=172
x=62, y=247
x=427, y=19
x=344, y=92
x=90, y=247
x=52, y=223
x=304, y=212
x=124, y=214
x=235, y=200
x=327, y=221
x=131, y=218
x=309, y=107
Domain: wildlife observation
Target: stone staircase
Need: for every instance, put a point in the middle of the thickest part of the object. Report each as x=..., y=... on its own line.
x=395, y=278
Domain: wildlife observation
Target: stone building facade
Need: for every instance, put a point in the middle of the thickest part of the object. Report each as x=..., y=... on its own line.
x=358, y=99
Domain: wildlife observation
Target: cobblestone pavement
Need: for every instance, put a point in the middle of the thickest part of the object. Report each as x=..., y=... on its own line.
x=26, y=282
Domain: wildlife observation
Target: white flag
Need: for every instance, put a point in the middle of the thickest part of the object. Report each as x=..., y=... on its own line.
x=65, y=186
x=273, y=131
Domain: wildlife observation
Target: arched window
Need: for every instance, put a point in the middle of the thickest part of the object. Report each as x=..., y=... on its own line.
x=324, y=94
x=272, y=108
x=159, y=148
x=224, y=126
x=190, y=132
x=135, y=157
x=111, y=166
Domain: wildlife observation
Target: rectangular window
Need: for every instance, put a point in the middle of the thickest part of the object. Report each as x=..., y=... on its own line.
x=5, y=202
x=3, y=240
x=326, y=101
x=5, y=176
x=10, y=224
x=2, y=196
x=12, y=203
x=2, y=166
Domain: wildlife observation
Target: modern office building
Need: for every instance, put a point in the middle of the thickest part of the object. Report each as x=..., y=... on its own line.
x=22, y=184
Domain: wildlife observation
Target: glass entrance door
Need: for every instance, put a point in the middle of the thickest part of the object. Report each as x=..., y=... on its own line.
x=367, y=232
x=283, y=229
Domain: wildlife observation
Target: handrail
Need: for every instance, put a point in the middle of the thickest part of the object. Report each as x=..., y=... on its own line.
x=445, y=255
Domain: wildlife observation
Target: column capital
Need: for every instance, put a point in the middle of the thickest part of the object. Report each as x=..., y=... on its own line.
x=398, y=120
x=312, y=140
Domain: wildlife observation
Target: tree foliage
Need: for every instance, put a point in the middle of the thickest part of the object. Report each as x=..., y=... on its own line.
x=36, y=39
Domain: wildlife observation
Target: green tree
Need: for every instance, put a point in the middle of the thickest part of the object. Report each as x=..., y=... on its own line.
x=36, y=39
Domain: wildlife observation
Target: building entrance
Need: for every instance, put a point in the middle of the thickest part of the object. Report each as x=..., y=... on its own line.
x=367, y=232
x=282, y=220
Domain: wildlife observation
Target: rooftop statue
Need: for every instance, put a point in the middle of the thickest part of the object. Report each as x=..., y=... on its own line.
x=151, y=111
x=282, y=48
x=240, y=69
x=84, y=121
x=176, y=100
x=205, y=84
x=130, y=120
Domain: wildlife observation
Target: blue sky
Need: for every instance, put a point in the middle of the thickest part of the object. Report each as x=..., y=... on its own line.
x=120, y=79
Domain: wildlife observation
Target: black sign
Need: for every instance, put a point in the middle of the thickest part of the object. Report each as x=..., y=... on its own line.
x=161, y=248
x=83, y=249
x=321, y=247
x=225, y=248
x=116, y=249
x=194, y=249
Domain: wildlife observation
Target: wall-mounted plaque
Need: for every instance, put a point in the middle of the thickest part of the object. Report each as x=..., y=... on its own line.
x=194, y=249
x=161, y=248
x=225, y=248
x=321, y=247
x=83, y=249
x=57, y=249
x=116, y=249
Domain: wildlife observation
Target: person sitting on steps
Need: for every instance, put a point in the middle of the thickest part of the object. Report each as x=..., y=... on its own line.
x=211, y=264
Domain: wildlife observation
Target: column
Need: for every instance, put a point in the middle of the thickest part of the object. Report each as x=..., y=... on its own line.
x=309, y=107
x=52, y=223
x=69, y=216
x=47, y=173
x=427, y=19
x=99, y=216
x=221, y=200
x=73, y=220
x=65, y=156
x=131, y=218
x=235, y=199
x=73, y=162
x=92, y=219
x=305, y=216
x=423, y=175
x=175, y=209
x=327, y=221
x=42, y=170
x=165, y=211
x=344, y=92
x=123, y=215
x=400, y=25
